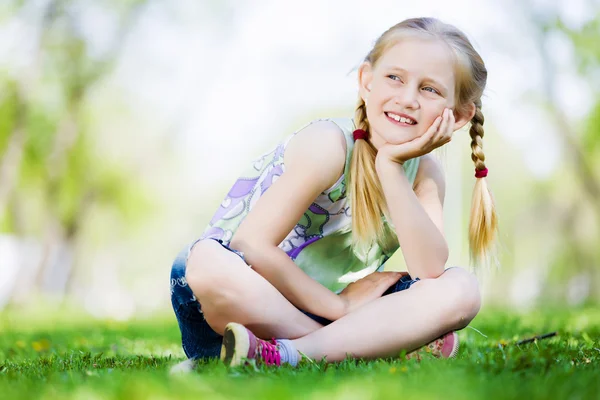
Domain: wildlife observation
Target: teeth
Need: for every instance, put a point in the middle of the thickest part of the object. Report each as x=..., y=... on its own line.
x=400, y=119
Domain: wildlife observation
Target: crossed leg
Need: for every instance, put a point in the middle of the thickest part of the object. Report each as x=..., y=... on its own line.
x=400, y=321
x=230, y=291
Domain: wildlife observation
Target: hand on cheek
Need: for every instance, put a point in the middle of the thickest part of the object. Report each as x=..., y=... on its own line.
x=438, y=134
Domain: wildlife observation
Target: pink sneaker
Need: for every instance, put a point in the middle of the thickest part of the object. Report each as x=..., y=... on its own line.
x=442, y=347
x=239, y=345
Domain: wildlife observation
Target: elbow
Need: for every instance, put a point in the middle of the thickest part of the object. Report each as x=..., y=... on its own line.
x=239, y=243
x=433, y=274
x=445, y=254
x=253, y=250
x=246, y=245
x=436, y=266
x=441, y=261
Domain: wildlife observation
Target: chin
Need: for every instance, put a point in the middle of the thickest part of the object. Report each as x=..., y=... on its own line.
x=400, y=137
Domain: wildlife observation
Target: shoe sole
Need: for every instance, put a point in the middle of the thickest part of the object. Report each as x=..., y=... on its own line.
x=455, y=346
x=234, y=350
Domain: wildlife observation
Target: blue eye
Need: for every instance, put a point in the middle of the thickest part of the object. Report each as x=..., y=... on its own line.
x=432, y=89
x=394, y=76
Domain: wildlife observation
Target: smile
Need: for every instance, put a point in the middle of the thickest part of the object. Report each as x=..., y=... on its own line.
x=400, y=120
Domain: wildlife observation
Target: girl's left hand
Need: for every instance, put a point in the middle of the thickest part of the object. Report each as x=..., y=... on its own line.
x=367, y=289
x=437, y=135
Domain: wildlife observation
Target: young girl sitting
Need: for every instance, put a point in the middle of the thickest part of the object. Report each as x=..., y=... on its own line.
x=297, y=248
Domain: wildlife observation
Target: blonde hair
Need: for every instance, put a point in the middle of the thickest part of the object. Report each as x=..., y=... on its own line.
x=366, y=194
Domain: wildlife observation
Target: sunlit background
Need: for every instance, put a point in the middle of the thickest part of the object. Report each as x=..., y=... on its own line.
x=124, y=123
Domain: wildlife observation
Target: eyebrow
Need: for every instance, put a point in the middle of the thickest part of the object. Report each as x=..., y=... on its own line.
x=443, y=88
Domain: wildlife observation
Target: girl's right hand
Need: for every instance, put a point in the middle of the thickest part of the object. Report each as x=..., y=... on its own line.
x=369, y=288
x=439, y=133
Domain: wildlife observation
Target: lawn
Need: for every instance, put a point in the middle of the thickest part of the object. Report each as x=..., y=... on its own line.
x=67, y=355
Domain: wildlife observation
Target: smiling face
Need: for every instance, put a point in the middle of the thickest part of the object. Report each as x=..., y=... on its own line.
x=414, y=78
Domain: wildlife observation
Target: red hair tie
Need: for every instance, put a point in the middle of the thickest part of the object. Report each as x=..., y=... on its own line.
x=481, y=173
x=360, y=134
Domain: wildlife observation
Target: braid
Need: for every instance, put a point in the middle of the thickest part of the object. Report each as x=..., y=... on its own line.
x=476, y=133
x=360, y=116
x=483, y=223
x=366, y=196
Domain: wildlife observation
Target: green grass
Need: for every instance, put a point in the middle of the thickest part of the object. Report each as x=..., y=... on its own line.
x=72, y=356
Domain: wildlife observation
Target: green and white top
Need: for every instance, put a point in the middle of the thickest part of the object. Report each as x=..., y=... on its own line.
x=321, y=242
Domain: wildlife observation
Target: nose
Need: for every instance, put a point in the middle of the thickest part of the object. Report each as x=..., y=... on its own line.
x=407, y=97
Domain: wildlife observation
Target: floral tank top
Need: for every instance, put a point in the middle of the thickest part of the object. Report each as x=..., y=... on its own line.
x=321, y=242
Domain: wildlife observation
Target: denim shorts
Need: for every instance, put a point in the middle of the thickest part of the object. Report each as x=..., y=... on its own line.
x=198, y=339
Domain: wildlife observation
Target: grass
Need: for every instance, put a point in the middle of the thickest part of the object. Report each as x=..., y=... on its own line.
x=69, y=356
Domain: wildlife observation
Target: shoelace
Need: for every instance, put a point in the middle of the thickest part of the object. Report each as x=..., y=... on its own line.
x=269, y=352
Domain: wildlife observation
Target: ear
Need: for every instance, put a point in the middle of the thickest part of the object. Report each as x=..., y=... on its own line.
x=365, y=75
x=464, y=117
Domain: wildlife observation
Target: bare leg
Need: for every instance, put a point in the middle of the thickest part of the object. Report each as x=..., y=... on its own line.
x=230, y=291
x=401, y=321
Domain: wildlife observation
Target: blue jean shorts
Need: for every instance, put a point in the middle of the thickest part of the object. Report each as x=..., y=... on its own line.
x=198, y=339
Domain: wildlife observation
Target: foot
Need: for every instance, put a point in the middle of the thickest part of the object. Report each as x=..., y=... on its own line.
x=443, y=347
x=239, y=345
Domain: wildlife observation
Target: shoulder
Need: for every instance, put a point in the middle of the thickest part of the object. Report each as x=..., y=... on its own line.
x=319, y=147
x=430, y=176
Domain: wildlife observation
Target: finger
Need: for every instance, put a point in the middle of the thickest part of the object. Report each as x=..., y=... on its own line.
x=450, y=126
x=395, y=277
x=375, y=276
x=452, y=122
x=426, y=138
x=435, y=127
x=385, y=284
x=430, y=136
x=444, y=124
x=419, y=141
x=450, y=130
x=382, y=275
x=392, y=274
x=388, y=277
x=447, y=129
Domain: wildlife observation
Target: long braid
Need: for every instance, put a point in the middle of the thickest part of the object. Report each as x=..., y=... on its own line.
x=366, y=196
x=483, y=221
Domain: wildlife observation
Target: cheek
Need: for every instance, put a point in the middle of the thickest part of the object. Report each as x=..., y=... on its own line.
x=381, y=95
x=429, y=117
x=426, y=124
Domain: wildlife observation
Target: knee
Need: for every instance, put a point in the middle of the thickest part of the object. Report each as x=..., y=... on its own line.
x=208, y=275
x=462, y=297
x=200, y=272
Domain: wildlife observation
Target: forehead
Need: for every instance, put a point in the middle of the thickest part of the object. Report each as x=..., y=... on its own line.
x=421, y=58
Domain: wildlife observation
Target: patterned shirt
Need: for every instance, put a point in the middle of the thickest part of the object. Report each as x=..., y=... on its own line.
x=321, y=242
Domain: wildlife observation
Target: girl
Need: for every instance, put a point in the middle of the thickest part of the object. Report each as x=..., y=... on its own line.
x=296, y=250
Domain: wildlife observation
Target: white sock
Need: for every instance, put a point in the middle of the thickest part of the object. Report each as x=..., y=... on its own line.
x=184, y=366
x=288, y=352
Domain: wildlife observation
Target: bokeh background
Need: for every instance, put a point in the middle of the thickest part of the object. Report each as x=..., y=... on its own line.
x=124, y=123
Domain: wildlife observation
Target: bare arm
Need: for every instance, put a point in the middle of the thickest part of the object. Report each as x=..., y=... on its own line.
x=417, y=215
x=314, y=161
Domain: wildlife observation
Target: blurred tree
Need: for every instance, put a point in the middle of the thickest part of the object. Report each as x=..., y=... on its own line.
x=577, y=258
x=50, y=173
